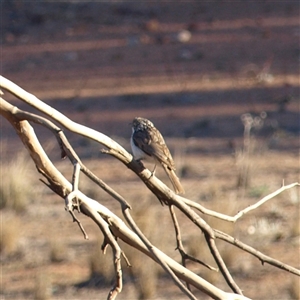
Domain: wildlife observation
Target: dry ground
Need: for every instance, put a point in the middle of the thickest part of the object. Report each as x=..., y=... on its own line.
x=102, y=65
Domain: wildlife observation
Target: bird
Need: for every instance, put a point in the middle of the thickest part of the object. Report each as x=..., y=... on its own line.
x=147, y=142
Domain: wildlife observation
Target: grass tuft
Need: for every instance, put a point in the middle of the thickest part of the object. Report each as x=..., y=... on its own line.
x=58, y=251
x=294, y=288
x=42, y=289
x=101, y=265
x=9, y=233
x=16, y=185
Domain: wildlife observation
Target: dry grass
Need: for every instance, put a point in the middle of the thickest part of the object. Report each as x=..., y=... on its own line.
x=16, y=183
x=101, y=266
x=244, y=167
x=58, y=251
x=10, y=233
x=244, y=156
x=295, y=227
x=42, y=289
x=294, y=289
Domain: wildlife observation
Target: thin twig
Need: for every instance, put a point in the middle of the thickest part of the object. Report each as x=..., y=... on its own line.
x=265, y=199
x=210, y=239
x=104, y=245
x=242, y=212
x=126, y=259
x=178, y=238
x=184, y=255
x=221, y=264
x=118, y=273
x=79, y=224
x=110, y=239
x=262, y=257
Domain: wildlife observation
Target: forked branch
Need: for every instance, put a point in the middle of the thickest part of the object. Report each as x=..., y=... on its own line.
x=243, y=211
x=99, y=213
x=110, y=225
x=163, y=193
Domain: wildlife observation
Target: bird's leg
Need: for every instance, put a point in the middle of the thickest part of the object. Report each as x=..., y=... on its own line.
x=153, y=172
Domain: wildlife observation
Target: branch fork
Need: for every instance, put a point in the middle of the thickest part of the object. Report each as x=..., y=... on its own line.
x=111, y=226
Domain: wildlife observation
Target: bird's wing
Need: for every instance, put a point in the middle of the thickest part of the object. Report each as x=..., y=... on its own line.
x=153, y=144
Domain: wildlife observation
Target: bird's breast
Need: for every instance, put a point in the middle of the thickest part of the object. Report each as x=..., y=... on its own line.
x=136, y=151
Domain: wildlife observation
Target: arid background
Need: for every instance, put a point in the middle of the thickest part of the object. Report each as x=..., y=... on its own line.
x=193, y=68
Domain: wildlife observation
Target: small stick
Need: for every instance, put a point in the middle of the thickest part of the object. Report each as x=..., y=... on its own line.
x=75, y=182
x=79, y=224
x=180, y=247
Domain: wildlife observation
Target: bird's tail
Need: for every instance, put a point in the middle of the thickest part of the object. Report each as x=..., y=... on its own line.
x=174, y=180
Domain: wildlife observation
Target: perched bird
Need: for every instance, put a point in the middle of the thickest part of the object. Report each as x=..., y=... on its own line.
x=147, y=142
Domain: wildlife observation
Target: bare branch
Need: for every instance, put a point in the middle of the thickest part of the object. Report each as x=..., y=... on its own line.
x=265, y=199
x=163, y=193
x=94, y=209
x=242, y=212
x=66, y=148
x=210, y=239
x=180, y=247
x=262, y=257
x=79, y=224
x=110, y=239
x=75, y=181
x=113, y=227
x=221, y=264
x=62, y=119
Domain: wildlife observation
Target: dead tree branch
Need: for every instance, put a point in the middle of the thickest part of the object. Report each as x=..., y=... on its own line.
x=180, y=247
x=242, y=212
x=262, y=257
x=162, y=192
x=111, y=226
x=96, y=211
